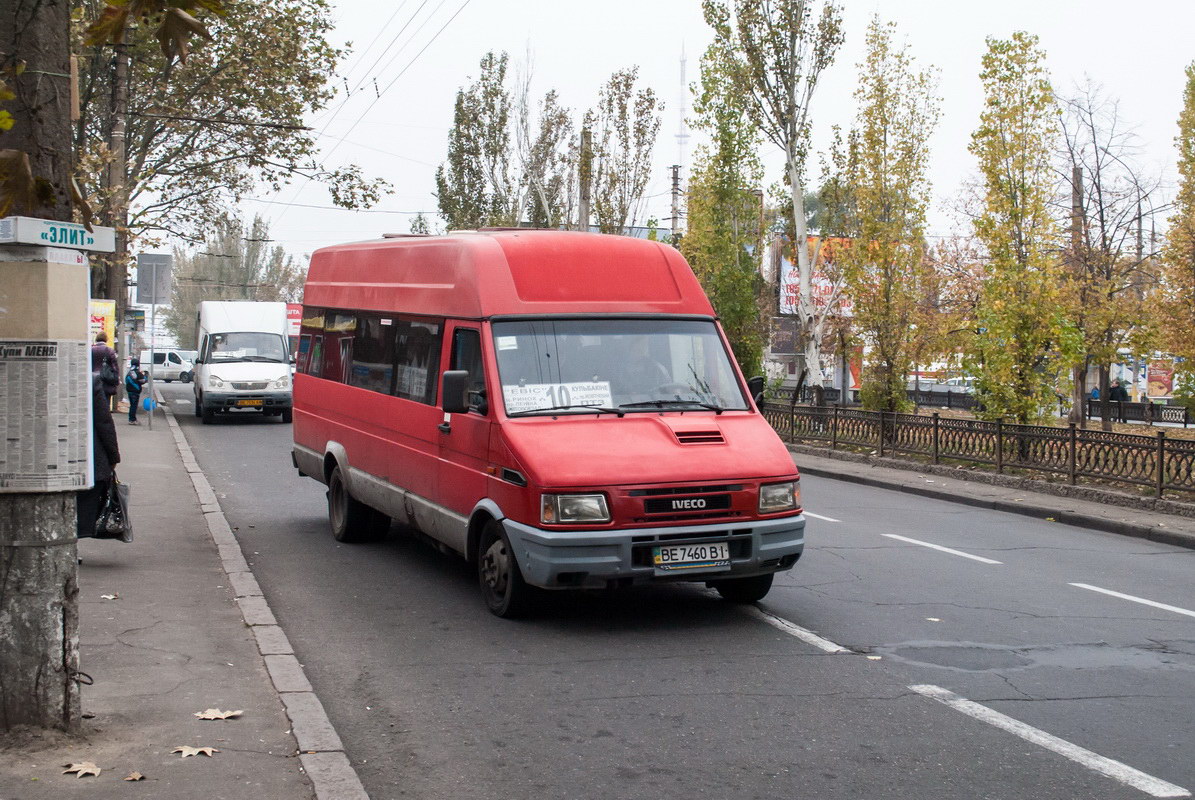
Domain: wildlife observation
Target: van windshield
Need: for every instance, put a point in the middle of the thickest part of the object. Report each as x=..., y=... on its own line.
x=249, y=346
x=627, y=365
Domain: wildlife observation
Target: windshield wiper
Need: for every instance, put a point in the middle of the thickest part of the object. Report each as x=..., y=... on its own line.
x=669, y=403
x=270, y=359
x=590, y=406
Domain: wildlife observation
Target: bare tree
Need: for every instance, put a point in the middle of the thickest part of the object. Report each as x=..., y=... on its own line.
x=1110, y=274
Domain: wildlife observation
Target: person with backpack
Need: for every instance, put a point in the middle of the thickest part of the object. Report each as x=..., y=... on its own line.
x=105, y=363
x=133, y=381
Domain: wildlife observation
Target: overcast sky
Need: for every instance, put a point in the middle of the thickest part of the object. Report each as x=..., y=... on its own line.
x=423, y=51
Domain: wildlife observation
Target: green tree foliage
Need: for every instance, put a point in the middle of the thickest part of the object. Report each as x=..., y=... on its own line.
x=1178, y=256
x=722, y=242
x=778, y=51
x=505, y=163
x=1022, y=333
x=624, y=124
x=191, y=143
x=475, y=186
x=235, y=262
x=886, y=271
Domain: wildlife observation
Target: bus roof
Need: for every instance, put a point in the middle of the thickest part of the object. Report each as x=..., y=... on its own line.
x=477, y=274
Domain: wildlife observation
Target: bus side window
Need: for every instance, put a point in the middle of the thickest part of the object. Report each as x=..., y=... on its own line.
x=466, y=355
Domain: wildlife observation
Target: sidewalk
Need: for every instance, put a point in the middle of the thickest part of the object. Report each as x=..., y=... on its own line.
x=938, y=483
x=172, y=643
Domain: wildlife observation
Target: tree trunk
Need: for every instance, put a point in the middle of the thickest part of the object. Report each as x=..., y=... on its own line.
x=1078, y=413
x=1105, y=403
x=39, y=612
x=117, y=210
x=811, y=333
x=39, y=639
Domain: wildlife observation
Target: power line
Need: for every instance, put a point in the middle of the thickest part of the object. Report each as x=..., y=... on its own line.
x=383, y=91
x=335, y=208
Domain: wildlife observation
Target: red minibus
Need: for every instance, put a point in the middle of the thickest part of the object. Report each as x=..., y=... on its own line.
x=560, y=408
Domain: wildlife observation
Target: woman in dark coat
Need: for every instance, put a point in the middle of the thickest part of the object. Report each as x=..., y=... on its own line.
x=106, y=454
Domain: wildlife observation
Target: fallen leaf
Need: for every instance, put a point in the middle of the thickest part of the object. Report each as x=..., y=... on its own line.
x=134, y=776
x=86, y=768
x=215, y=713
x=109, y=597
x=1050, y=519
x=194, y=751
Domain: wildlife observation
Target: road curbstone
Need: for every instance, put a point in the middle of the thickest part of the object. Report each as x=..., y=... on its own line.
x=333, y=776
x=322, y=753
x=312, y=728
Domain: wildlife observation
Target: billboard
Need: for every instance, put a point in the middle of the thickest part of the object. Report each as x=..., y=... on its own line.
x=102, y=317
x=824, y=286
x=1159, y=378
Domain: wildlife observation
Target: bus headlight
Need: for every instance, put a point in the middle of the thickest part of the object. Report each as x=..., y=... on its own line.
x=573, y=508
x=214, y=383
x=775, y=497
x=281, y=383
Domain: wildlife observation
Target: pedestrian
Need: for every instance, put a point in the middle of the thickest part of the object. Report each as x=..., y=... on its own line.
x=1120, y=396
x=134, y=379
x=105, y=454
x=105, y=364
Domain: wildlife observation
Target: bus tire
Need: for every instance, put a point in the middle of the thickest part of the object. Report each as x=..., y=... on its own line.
x=288, y=415
x=352, y=521
x=505, y=592
x=208, y=415
x=745, y=590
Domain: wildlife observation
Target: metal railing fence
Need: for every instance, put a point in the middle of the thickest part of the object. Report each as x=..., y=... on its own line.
x=1158, y=462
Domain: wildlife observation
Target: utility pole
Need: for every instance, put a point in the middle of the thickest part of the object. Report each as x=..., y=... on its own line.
x=585, y=175
x=45, y=381
x=1078, y=413
x=675, y=203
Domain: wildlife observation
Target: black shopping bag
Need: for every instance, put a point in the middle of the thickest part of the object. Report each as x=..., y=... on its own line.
x=114, y=521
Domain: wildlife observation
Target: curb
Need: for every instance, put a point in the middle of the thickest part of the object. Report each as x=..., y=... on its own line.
x=321, y=752
x=1141, y=531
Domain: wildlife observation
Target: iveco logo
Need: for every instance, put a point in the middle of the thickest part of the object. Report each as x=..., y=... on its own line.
x=688, y=504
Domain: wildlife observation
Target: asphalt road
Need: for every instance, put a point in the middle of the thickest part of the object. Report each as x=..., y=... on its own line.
x=1074, y=692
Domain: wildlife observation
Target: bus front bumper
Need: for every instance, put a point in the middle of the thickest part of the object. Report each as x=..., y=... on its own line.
x=599, y=559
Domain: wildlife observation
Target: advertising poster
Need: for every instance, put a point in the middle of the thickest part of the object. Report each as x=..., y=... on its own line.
x=1159, y=378
x=103, y=318
x=825, y=287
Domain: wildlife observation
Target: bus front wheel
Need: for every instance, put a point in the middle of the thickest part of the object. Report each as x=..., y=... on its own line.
x=352, y=521
x=506, y=593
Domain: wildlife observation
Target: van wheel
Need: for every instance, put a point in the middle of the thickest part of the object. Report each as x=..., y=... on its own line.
x=352, y=521
x=208, y=415
x=745, y=590
x=288, y=415
x=506, y=593
x=184, y=377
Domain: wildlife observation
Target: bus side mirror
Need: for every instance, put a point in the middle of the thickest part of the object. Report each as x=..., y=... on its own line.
x=755, y=386
x=455, y=397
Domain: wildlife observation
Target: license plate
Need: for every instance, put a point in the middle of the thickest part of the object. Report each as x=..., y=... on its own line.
x=249, y=402
x=692, y=557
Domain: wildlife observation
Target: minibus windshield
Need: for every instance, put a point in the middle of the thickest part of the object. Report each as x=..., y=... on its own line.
x=249, y=346
x=628, y=365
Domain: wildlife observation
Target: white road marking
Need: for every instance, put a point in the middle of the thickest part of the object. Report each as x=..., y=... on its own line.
x=1093, y=761
x=807, y=636
x=1140, y=600
x=819, y=516
x=942, y=549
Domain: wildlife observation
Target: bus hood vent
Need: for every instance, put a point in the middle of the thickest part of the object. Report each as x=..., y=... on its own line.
x=713, y=436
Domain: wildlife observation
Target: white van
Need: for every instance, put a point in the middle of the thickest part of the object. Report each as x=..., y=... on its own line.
x=244, y=361
x=167, y=364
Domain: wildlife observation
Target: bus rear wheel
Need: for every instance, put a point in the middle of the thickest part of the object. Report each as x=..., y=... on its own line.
x=352, y=521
